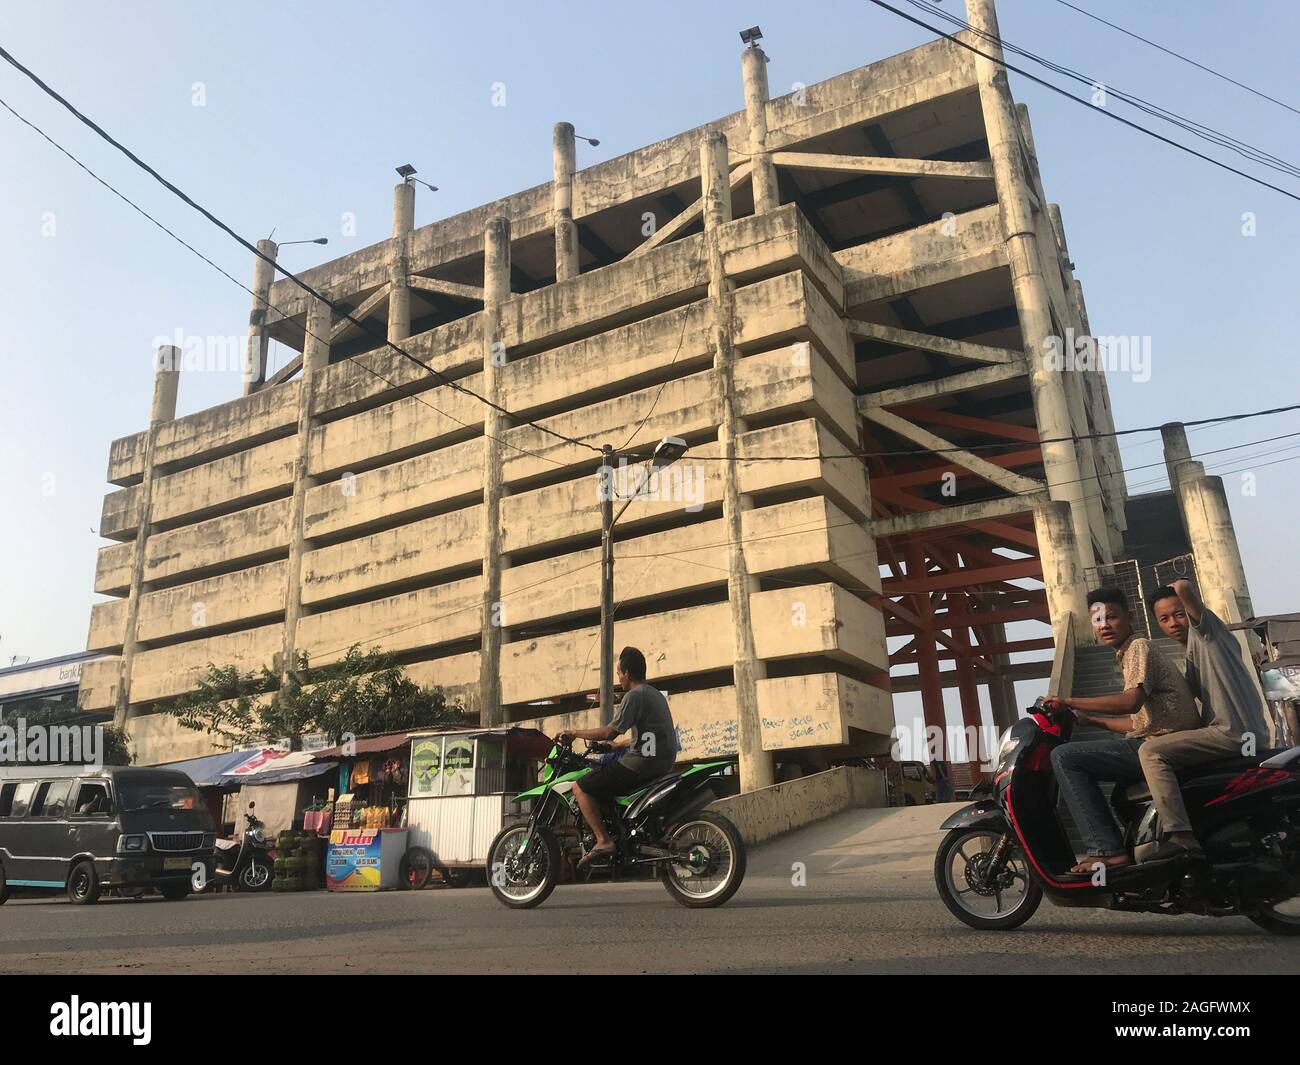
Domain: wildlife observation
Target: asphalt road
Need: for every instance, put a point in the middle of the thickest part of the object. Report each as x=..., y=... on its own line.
x=869, y=906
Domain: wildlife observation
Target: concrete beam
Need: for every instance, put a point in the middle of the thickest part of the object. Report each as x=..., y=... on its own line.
x=960, y=514
x=1012, y=482
x=943, y=386
x=892, y=165
x=957, y=349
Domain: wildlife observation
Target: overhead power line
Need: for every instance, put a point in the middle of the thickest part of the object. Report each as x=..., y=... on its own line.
x=338, y=308
x=1198, y=129
x=1084, y=103
x=1178, y=55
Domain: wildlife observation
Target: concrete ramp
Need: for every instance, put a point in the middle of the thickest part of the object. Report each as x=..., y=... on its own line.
x=843, y=852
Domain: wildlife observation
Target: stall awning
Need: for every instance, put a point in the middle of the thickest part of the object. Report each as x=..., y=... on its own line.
x=207, y=772
x=364, y=745
x=277, y=767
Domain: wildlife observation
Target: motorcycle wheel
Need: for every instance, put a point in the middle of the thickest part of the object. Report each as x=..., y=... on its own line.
x=522, y=881
x=1282, y=918
x=256, y=875
x=713, y=864
x=956, y=871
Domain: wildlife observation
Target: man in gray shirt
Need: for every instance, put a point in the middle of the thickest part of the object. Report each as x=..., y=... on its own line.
x=1231, y=705
x=649, y=749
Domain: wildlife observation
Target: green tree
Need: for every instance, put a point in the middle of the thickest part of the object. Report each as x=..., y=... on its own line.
x=113, y=742
x=362, y=693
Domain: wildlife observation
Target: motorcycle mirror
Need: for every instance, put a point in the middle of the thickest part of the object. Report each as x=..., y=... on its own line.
x=251, y=805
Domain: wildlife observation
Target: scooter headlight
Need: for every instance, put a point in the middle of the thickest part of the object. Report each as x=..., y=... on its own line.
x=132, y=844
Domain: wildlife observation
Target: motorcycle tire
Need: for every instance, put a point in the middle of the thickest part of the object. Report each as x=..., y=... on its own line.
x=249, y=880
x=701, y=900
x=1277, y=925
x=4, y=886
x=549, y=852
x=1014, y=919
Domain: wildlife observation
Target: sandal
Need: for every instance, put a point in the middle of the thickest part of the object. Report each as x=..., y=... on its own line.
x=596, y=852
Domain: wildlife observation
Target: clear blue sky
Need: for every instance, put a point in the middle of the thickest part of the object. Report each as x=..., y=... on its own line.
x=310, y=106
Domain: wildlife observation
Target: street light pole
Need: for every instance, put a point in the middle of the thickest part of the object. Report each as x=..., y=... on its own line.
x=607, y=585
x=666, y=452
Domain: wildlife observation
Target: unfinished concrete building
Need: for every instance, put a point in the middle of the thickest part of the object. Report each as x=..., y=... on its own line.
x=842, y=299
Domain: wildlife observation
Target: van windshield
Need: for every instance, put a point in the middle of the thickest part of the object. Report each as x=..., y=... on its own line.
x=159, y=796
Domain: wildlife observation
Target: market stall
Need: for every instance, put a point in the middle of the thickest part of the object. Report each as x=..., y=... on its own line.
x=462, y=789
x=366, y=823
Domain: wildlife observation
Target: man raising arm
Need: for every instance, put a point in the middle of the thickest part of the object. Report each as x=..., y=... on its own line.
x=1217, y=673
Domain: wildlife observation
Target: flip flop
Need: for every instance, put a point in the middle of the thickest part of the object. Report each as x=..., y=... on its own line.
x=596, y=852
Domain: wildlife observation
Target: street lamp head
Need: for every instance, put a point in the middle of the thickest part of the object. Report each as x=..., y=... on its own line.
x=667, y=451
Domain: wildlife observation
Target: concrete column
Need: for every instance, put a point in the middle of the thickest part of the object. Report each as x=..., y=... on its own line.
x=1219, y=569
x=1051, y=405
x=166, y=381
x=315, y=357
x=1067, y=591
x=755, y=763
x=496, y=290
x=1178, y=453
x=1058, y=277
x=564, y=162
x=259, y=340
x=753, y=66
x=399, y=293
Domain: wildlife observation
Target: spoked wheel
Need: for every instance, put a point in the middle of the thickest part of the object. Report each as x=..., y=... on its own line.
x=976, y=894
x=1280, y=918
x=523, y=866
x=711, y=863
x=256, y=875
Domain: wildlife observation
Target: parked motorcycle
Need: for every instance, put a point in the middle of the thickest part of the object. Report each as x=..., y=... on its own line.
x=698, y=855
x=1001, y=855
x=247, y=864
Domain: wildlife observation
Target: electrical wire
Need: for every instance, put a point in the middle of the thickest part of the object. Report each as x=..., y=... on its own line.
x=1084, y=103
x=1179, y=55
x=338, y=308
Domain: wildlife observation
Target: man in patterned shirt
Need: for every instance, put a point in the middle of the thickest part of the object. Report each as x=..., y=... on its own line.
x=1155, y=701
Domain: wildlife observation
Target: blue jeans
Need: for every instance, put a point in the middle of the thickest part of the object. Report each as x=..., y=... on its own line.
x=1079, y=767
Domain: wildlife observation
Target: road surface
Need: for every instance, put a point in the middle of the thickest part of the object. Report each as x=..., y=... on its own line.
x=869, y=905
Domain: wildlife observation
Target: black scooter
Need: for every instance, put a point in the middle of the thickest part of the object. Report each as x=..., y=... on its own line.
x=1001, y=855
x=248, y=865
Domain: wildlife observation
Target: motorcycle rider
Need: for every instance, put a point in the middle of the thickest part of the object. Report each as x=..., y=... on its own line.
x=1231, y=704
x=649, y=750
x=1155, y=701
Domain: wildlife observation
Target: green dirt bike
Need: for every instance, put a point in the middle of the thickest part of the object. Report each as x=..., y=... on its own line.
x=698, y=855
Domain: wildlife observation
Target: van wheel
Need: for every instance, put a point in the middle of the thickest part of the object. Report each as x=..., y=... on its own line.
x=83, y=884
x=4, y=887
x=175, y=892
